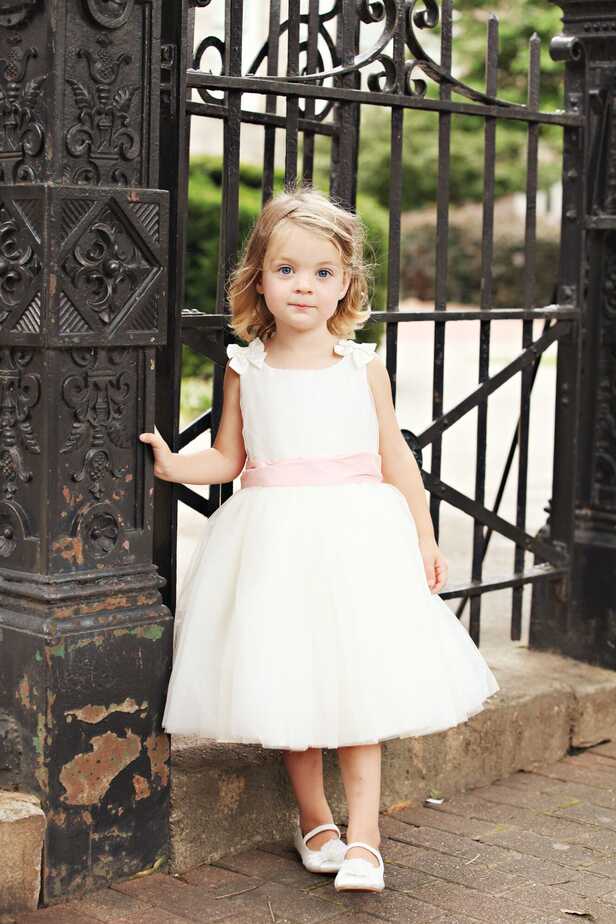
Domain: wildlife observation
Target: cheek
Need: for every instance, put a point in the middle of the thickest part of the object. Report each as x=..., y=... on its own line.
x=274, y=285
x=333, y=289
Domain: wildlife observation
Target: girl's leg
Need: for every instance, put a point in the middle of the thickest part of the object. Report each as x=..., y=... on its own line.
x=360, y=767
x=305, y=769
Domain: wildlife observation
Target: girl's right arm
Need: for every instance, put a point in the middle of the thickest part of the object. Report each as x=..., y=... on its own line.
x=218, y=465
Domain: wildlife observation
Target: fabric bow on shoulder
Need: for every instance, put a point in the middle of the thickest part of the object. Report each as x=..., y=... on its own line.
x=362, y=353
x=240, y=356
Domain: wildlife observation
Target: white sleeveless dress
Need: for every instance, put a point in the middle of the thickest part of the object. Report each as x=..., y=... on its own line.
x=305, y=618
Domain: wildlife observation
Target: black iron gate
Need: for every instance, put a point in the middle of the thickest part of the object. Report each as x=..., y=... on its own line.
x=324, y=87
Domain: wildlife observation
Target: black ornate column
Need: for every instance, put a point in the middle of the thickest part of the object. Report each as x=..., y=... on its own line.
x=580, y=620
x=85, y=643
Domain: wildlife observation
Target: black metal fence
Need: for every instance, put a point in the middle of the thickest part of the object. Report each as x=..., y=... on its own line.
x=329, y=76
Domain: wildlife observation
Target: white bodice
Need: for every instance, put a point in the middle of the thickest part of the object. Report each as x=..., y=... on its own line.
x=288, y=413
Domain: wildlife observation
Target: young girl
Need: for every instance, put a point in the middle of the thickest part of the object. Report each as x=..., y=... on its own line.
x=309, y=616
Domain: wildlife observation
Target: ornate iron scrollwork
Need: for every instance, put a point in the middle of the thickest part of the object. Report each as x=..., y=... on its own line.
x=19, y=264
x=22, y=132
x=327, y=60
x=103, y=129
x=99, y=528
x=369, y=11
x=417, y=15
x=16, y=12
x=19, y=393
x=99, y=397
x=429, y=18
x=110, y=13
x=211, y=41
x=107, y=267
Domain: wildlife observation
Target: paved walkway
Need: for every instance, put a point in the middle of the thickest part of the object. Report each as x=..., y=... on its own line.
x=534, y=848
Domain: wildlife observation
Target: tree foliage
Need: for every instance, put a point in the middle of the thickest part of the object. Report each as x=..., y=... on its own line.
x=517, y=23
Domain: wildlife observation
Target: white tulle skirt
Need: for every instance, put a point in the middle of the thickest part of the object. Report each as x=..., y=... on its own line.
x=305, y=620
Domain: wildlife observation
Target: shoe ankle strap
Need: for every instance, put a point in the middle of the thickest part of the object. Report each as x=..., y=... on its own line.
x=328, y=826
x=369, y=847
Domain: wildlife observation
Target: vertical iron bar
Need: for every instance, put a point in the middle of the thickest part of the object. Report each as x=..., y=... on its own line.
x=229, y=220
x=442, y=230
x=570, y=292
x=487, y=249
x=310, y=103
x=292, y=129
x=530, y=234
x=335, y=142
x=271, y=100
x=395, y=208
x=345, y=142
x=178, y=22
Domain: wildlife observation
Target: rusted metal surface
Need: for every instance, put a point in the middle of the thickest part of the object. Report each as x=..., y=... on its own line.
x=86, y=642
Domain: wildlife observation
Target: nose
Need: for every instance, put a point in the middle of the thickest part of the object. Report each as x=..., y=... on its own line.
x=303, y=283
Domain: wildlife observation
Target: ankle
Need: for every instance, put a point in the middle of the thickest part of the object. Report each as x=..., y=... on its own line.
x=311, y=819
x=368, y=835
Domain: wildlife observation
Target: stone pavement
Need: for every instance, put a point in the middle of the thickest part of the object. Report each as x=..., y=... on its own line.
x=534, y=848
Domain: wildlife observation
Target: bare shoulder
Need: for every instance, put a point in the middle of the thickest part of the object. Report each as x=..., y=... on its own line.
x=378, y=377
x=229, y=438
x=231, y=391
x=231, y=379
x=391, y=441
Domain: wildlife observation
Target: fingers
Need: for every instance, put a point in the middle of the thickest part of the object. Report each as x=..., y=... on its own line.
x=436, y=573
x=440, y=567
x=149, y=438
x=154, y=438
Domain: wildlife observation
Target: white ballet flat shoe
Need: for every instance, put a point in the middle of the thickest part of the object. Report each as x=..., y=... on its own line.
x=328, y=858
x=359, y=875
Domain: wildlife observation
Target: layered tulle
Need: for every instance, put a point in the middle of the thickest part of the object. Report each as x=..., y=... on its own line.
x=305, y=620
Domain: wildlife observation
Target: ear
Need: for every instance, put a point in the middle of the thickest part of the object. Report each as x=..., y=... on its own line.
x=346, y=282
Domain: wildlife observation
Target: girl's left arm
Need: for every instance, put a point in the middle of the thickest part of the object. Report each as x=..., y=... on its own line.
x=400, y=469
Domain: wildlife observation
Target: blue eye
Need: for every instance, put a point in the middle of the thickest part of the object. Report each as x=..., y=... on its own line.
x=282, y=268
x=327, y=273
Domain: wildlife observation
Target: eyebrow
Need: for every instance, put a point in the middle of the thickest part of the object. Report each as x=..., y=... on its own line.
x=290, y=260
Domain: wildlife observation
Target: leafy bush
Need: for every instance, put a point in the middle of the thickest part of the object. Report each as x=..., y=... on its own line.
x=464, y=264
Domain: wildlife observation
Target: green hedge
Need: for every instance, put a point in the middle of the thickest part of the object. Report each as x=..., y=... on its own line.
x=204, y=215
x=464, y=264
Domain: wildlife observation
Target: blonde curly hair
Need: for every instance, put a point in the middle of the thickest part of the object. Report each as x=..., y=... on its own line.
x=310, y=209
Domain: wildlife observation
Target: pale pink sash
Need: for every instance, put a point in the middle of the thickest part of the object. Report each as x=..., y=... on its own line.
x=357, y=467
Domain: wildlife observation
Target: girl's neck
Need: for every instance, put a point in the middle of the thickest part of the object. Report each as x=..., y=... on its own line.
x=313, y=345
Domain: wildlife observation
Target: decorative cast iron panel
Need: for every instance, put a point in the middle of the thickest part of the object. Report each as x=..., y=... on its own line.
x=110, y=84
x=20, y=451
x=99, y=275
x=100, y=462
x=22, y=105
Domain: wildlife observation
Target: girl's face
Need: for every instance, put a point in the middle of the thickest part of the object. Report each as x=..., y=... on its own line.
x=303, y=278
